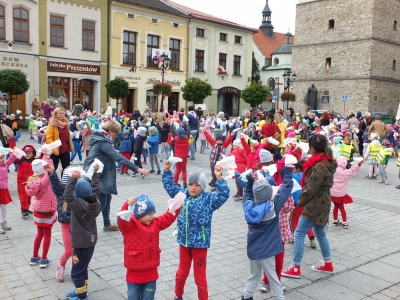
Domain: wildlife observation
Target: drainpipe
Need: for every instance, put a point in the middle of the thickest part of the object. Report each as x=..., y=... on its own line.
x=108, y=42
x=188, y=53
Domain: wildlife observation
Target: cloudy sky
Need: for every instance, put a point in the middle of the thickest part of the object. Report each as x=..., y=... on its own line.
x=248, y=12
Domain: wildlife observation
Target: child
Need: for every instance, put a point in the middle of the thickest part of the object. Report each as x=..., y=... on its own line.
x=32, y=126
x=139, y=140
x=83, y=199
x=164, y=132
x=264, y=240
x=76, y=130
x=5, y=197
x=194, y=225
x=217, y=152
x=87, y=132
x=64, y=218
x=203, y=139
x=339, y=194
x=303, y=136
x=44, y=206
x=24, y=172
x=241, y=161
x=250, y=150
x=141, y=269
x=336, y=146
x=383, y=158
x=348, y=148
x=398, y=164
x=154, y=141
x=180, y=142
x=125, y=145
x=372, y=152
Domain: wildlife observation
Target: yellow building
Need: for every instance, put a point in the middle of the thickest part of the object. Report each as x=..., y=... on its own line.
x=141, y=31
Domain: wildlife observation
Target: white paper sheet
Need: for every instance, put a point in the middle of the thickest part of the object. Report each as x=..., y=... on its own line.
x=69, y=171
x=90, y=172
x=175, y=203
x=228, y=162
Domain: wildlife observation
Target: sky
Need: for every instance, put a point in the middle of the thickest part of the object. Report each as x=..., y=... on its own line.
x=249, y=12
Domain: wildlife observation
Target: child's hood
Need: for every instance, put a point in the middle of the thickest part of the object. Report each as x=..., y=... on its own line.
x=30, y=147
x=389, y=149
x=341, y=162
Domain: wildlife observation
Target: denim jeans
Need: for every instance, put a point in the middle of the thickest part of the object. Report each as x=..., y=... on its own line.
x=105, y=201
x=192, y=147
x=144, y=291
x=77, y=150
x=301, y=231
x=144, y=153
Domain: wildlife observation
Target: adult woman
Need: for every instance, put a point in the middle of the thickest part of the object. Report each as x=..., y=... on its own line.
x=269, y=129
x=286, y=116
x=317, y=180
x=282, y=127
x=57, y=129
x=246, y=119
x=35, y=106
x=47, y=109
x=324, y=120
x=102, y=149
x=147, y=112
x=77, y=109
x=85, y=105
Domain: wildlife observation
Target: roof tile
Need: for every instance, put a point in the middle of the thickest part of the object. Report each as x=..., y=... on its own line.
x=268, y=45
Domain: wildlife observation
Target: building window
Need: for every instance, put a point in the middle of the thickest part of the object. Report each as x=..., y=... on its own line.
x=395, y=26
x=175, y=25
x=328, y=62
x=152, y=43
x=175, y=48
x=223, y=37
x=200, y=32
x=222, y=60
x=155, y=21
x=238, y=39
x=2, y=23
x=57, y=31
x=88, y=35
x=394, y=65
x=331, y=24
x=131, y=16
x=21, y=25
x=276, y=61
x=59, y=89
x=199, y=64
x=129, y=48
x=151, y=100
x=236, y=65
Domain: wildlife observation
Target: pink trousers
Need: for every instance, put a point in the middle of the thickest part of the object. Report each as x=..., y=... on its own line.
x=68, y=250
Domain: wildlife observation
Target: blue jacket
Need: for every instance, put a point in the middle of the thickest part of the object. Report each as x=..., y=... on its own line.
x=192, y=120
x=154, y=141
x=102, y=149
x=264, y=236
x=296, y=195
x=138, y=144
x=194, y=220
x=125, y=145
x=58, y=190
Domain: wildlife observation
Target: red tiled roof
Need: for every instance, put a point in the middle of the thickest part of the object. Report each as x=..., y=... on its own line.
x=201, y=15
x=268, y=45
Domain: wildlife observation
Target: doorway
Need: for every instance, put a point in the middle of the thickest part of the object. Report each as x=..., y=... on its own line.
x=229, y=103
x=128, y=103
x=85, y=92
x=173, y=102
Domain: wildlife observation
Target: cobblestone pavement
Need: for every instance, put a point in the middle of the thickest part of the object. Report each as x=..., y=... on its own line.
x=366, y=257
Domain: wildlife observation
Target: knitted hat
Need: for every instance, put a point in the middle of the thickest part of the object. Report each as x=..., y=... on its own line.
x=385, y=143
x=219, y=136
x=65, y=176
x=180, y=131
x=142, y=131
x=198, y=178
x=237, y=143
x=262, y=191
x=143, y=206
x=265, y=156
x=292, y=141
x=37, y=167
x=153, y=129
x=83, y=189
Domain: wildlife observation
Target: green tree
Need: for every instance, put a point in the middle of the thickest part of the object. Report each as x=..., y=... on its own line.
x=254, y=94
x=13, y=82
x=117, y=88
x=196, y=90
x=254, y=69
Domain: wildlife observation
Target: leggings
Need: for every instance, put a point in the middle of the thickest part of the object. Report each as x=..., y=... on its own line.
x=181, y=166
x=239, y=189
x=3, y=212
x=63, y=157
x=66, y=238
x=203, y=146
x=278, y=264
x=382, y=171
x=336, y=208
x=43, y=233
x=372, y=170
x=127, y=155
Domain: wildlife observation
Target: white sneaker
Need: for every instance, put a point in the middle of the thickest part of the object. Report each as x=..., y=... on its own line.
x=81, y=162
x=73, y=163
x=5, y=225
x=2, y=230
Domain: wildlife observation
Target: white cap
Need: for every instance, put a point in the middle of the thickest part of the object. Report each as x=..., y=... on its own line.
x=37, y=166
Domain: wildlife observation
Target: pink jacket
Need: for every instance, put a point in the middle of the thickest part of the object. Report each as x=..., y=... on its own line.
x=341, y=177
x=4, y=172
x=44, y=199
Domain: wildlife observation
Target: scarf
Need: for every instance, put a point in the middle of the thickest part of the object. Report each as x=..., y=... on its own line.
x=106, y=135
x=59, y=124
x=315, y=159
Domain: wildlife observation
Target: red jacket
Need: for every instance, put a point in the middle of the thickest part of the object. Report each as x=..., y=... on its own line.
x=181, y=147
x=240, y=159
x=269, y=129
x=141, y=245
x=25, y=166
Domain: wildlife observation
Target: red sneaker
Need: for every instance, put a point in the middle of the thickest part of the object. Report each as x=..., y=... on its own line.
x=292, y=272
x=325, y=267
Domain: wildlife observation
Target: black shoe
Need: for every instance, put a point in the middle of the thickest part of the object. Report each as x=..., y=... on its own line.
x=398, y=187
x=135, y=174
x=143, y=176
x=152, y=171
x=159, y=172
x=24, y=213
x=243, y=298
x=185, y=185
x=29, y=212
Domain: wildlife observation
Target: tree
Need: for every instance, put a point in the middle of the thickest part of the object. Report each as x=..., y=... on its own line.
x=196, y=90
x=117, y=88
x=13, y=82
x=254, y=68
x=163, y=88
x=254, y=94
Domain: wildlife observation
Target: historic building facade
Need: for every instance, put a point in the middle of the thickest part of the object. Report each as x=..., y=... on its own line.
x=348, y=48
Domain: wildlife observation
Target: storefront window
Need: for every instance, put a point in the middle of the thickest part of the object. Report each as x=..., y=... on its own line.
x=151, y=100
x=235, y=106
x=59, y=89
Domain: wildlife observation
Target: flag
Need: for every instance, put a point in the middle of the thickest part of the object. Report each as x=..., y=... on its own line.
x=327, y=67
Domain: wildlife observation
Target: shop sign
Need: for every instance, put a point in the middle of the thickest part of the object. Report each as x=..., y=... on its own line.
x=129, y=79
x=230, y=90
x=171, y=82
x=64, y=67
x=12, y=62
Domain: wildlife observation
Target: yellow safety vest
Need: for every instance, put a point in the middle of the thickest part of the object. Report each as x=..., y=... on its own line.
x=336, y=151
x=346, y=151
x=381, y=155
x=374, y=151
x=398, y=159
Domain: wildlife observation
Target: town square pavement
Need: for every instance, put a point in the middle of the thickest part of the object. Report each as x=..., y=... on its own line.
x=366, y=256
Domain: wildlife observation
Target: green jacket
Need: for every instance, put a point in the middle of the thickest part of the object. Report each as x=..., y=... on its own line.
x=316, y=197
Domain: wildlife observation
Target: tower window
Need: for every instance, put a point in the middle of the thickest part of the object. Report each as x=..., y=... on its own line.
x=131, y=16
x=154, y=21
x=394, y=65
x=175, y=25
x=395, y=25
x=328, y=62
x=331, y=24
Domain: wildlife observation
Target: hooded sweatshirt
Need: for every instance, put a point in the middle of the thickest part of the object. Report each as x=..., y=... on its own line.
x=341, y=177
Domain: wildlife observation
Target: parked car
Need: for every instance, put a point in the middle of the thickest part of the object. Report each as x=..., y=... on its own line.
x=385, y=118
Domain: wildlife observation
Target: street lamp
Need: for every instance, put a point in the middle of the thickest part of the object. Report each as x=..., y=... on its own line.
x=164, y=68
x=288, y=78
x=256, y=74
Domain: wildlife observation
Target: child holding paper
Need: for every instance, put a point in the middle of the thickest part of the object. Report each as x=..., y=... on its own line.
x=141, y=232
x=5, y=197
x=339, y=194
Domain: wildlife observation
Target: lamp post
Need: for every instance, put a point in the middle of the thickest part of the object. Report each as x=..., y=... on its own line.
x=256, y=74
x=164, y=68
x=288, y=78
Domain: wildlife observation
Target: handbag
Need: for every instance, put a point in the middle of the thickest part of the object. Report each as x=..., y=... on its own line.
x=6, y=131
x=276, y=136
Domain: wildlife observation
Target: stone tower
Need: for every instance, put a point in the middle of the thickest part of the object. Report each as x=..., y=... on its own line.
x=348, y=48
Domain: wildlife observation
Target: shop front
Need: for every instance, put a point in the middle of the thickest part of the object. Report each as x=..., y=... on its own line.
x=229, y=100
x=68, y=82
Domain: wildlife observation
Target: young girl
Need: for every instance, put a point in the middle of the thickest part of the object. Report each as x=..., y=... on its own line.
x=44, y=206
x=339, y=194
x=5, y=196
x=206, y=126
x=241, y=161
x=87, y=132
x=372, y=152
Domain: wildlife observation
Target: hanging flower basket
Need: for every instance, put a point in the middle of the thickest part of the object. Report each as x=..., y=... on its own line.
x=163, y=88
x=270, y=99
x=288, y=96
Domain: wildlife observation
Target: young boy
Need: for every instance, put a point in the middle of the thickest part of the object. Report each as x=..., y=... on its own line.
x=154, y=141
x=83, y=199
x=139, y=140
x=383, y=159
x=264, y=238
x=142, y=259
x=348, y=149
x=194, y=225
x=372, y=152
x=241, y=161
x=125, y=145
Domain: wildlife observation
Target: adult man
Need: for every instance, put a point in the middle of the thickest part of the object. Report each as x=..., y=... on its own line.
x=193, y=120
x=108, y=112
x=3, y=105
x=378, y=127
